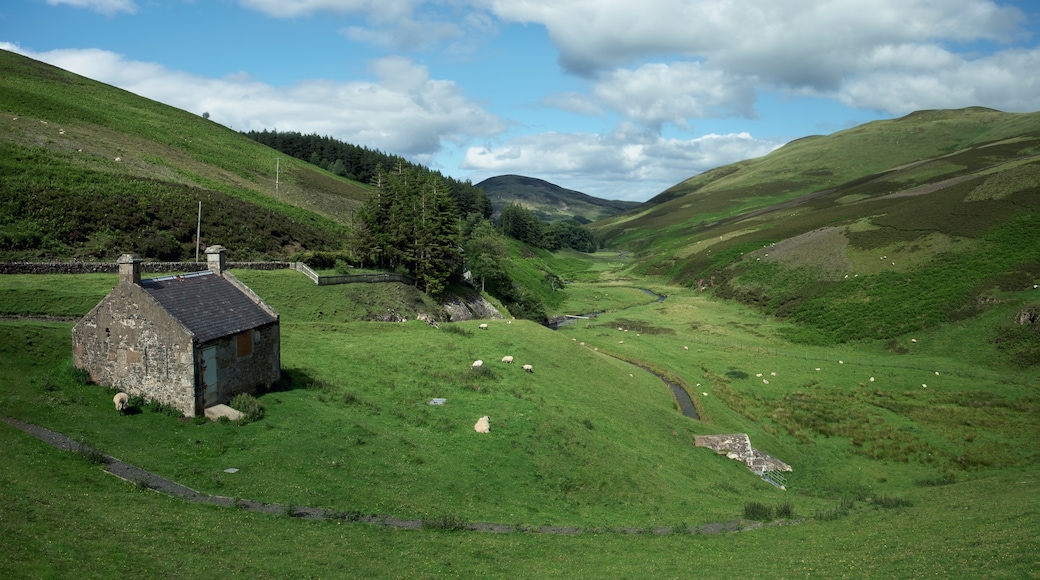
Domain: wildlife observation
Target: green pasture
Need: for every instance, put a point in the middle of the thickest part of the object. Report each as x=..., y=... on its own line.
x=65, y=517
x=586, y=441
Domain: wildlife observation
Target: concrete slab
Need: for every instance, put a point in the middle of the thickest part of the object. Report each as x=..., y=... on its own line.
x=217, y=411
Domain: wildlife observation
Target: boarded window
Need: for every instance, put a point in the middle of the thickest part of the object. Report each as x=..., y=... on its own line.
x=245, y=343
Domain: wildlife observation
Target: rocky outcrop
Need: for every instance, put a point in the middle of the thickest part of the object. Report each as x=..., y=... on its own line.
x=1028, y=316
x=738, y=446
x=470, y=307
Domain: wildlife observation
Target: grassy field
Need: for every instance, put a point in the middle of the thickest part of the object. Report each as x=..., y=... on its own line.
x=912, y=473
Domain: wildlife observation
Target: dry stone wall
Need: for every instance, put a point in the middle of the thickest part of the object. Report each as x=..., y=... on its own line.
x=113, y=267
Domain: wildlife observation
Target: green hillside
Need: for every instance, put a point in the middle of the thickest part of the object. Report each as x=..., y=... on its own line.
x=89, y=171
x=870, y=233
x=548, y=201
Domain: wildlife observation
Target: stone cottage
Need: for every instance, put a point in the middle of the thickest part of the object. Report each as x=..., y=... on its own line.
x=189, y=341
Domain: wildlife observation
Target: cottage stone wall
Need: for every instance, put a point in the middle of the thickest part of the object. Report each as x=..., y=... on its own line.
x=130, y=343
x=240, y=374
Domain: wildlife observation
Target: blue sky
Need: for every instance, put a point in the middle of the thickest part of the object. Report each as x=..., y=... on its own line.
x=615, y=98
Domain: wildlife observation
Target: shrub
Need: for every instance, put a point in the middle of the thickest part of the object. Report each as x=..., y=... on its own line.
x=249, y=405
x=891, y=502
x=46, y=383
x=164, y=409
x=81, y=376
x=757, y=511
x=456, y=329
x=91, y=454
x=938, y=481
x=483, y=372
x=785, y=510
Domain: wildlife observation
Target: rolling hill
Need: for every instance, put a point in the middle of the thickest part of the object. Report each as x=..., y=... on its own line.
x=548, y=201
x=870, y=233
x=89, y=171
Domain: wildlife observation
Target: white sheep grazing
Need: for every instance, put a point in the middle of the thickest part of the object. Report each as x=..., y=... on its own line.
x=477, y=363
x=507, y=359
x=122, y=400
x=483, y=425
x=483, y=326
x=528, y=368
x=686, y=348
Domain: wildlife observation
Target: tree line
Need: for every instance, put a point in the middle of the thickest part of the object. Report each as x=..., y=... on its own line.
x=522, y=224
x=436, y=228
x=363, y=164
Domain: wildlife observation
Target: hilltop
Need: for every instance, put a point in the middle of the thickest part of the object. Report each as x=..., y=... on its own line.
x=548, y=201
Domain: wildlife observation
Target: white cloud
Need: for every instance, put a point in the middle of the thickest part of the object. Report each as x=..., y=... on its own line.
x=405, y=34
x=300, y=8
x=400, y=24
x=1008, y=81
x=107, y=7
x=669, y=61
x=573, y=102
x=629, y=163
x=656, y=93
x=779, y=39
x=403, y=111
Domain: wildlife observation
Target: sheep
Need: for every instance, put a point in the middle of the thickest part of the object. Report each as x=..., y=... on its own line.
x=477, y=363
x=483, y=425
x=686, y=348
x=122, y=400
x=507, y=359
x=483, y=326
x=528, y=368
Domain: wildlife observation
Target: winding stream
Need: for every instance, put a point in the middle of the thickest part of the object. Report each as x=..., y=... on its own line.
x=681, y=396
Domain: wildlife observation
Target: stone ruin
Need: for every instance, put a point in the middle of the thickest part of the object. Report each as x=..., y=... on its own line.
x=738, y=446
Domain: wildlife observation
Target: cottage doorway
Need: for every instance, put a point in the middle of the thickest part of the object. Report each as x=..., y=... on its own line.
x=210, y=392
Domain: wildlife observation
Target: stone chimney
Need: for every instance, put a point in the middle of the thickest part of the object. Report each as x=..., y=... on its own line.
x=129, y=269
x=215, y=259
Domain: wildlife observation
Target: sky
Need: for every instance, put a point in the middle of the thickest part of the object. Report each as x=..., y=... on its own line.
x=619, y=99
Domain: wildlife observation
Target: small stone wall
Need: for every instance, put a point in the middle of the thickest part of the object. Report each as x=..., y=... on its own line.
x=113, y=267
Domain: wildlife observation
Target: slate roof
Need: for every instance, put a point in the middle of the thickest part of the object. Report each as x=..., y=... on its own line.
x=208, y=305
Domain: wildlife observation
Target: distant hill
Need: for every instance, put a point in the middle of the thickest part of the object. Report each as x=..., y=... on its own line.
x=872, y=232
x=548, y=201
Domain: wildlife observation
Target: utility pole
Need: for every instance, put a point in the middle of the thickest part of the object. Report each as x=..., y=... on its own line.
x=198, y=230
x=277, y=175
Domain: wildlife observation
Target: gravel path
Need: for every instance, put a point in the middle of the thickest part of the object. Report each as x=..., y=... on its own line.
x=140, y=477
